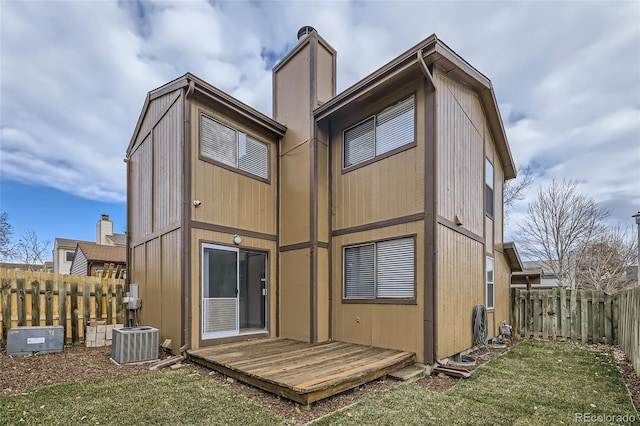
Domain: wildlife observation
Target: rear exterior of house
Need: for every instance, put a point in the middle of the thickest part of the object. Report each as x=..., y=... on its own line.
x=372, y=217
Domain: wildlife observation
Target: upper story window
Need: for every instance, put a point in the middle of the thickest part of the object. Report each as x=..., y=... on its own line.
x=380, y=270
x=69, y=256
x=488, y=183
x=384, y=132
x=233, y=148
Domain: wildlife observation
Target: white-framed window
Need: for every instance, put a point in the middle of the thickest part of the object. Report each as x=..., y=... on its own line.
x=490, y=283
x=391, y=128
x=488, y=183
x=69, y=255
x=380, y=270
x=231, y=147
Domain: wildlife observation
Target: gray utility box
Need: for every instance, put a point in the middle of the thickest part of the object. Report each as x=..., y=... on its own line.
x=26, y=340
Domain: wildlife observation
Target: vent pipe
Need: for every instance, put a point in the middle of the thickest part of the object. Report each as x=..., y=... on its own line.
x=305, y=31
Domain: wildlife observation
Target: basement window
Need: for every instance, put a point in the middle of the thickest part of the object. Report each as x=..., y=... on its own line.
x=490, y=283
x=231, y=148
x=380, y=270
x=384, y=133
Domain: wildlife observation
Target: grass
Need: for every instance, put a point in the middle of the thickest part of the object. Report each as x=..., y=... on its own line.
x=166, y=397
x=536, y=383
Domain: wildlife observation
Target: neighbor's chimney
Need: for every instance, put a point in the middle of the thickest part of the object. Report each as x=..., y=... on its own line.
x=304, y=31
x=104, y=227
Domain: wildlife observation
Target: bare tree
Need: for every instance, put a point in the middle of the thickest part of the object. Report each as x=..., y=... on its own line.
x=604, y=261
x=558, y=225
x=31, y=250
x=514, y=189
x=6, y=230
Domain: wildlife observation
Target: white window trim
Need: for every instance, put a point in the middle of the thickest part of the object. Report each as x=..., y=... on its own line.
x=375, y=135
x=236, y=165
x=492, y=283
x=375, y=271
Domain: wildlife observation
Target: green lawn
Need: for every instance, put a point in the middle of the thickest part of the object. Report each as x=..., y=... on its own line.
x=535, y=383
x=170, y=397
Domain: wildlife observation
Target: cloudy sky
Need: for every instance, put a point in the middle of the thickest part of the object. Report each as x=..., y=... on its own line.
x=74, y=75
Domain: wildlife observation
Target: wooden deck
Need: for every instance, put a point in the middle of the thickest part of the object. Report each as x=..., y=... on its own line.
x=302, y=372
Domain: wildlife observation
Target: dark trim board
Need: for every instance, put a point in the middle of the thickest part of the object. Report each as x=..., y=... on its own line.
x=230, y=230
x=377, y=225
x=460, y=230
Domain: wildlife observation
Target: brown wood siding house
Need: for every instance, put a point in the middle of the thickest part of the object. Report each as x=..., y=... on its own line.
x=373, y=216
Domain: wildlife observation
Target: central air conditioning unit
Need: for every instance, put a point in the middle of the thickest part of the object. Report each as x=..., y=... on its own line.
x=134, y=344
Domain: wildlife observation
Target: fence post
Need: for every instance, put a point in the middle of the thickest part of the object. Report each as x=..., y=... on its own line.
x=62, y=306
x=35, y=303
x=110, y=304
x=98, y=300
x=48, y=302
x=22, y=302
x=86, y=306
x=74, y=312
x=119, y=304
x=6, y=307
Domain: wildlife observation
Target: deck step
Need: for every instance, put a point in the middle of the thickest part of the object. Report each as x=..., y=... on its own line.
x=411, y=372
x=452, y=372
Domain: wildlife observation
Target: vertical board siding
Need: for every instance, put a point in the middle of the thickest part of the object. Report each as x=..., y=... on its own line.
x=369, y=323
x=385, y=189
x=230, y=198
x=38, y=298
x=461, y=286
x=460, y=154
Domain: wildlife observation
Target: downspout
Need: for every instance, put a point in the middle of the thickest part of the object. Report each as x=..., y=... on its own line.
x=434, y=290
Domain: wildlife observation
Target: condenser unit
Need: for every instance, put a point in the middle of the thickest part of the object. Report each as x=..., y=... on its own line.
x=134, y=344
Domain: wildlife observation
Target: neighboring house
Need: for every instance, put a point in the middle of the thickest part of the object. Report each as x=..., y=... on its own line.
x=47, y=267
x=91, y=257
x=534, y=276
x=64, y=249
x=373, y=216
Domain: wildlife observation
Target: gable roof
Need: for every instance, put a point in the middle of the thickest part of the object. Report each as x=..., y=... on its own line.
x=67, y=243
x=118, y=239
x=191, y=84
x=101, y=253
x=431, y=51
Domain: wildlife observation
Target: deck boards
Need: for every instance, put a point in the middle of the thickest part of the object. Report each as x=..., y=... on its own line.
x=302, y=372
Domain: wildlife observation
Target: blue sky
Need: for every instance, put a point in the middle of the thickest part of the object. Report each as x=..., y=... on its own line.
x=74, y=75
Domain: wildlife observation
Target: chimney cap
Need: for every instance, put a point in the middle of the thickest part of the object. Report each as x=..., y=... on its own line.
x=307, y=29
x=105, y=216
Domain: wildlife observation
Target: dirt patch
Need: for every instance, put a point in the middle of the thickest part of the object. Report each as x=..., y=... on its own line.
x=631, y=379
x=75, y=364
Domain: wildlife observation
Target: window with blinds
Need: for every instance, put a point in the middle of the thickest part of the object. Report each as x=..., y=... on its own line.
x=390, y=129
x=380, y=270
x=226, y=145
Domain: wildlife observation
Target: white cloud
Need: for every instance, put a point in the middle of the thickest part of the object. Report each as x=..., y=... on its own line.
x=74, y=76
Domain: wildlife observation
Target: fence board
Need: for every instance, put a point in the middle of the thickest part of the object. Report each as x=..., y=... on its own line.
x=35, y=298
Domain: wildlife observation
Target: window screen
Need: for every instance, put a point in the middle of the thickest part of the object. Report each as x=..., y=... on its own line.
x=490, y=283
x=390, y=129
x=489, y=187
x=229, y=146
x=384, y=269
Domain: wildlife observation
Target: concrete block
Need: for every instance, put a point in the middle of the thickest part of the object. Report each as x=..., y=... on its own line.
x=109, y=331
x=90, y=344
x=90, y=338
x=91, y=329
x=101, y=329
x=100, y=342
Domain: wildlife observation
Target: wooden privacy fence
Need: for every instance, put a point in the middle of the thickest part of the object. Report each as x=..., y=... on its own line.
x=580, y=315
x=629, y=325
x=38, y=298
